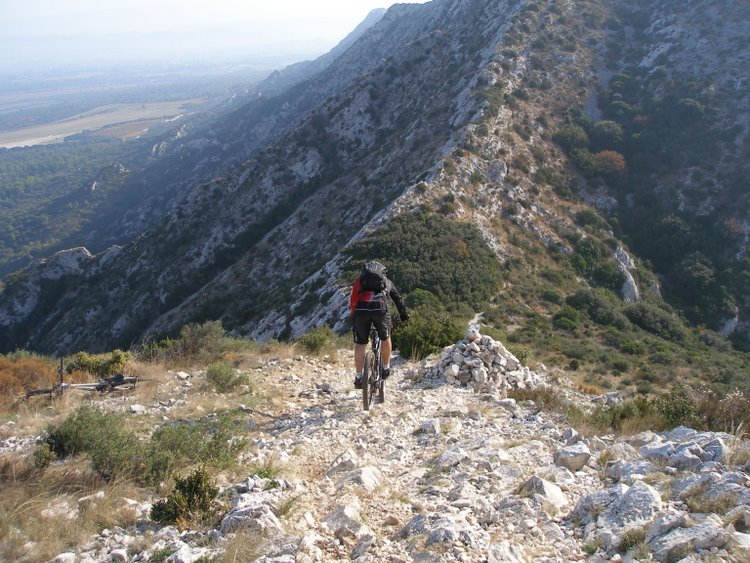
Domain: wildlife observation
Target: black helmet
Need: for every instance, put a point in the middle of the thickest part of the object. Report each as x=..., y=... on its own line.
x=375, y=266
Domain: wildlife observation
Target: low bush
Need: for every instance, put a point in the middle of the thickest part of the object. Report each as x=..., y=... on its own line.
x=223, y=377
x=677, y=409
x=600, y=305
x=100, y=365
x=190, y=501
x=425, y=333
x=656, y=321
x=202, y=343
x=522, y=353
x=449, y=259
x=213, y=441
x=566, y=318
x=22, y=374
x=318, y=340
x=615, y=416
x=702, y=409
x=547, y=398
x=114, y=452
x=552, y=296
x=571, y=137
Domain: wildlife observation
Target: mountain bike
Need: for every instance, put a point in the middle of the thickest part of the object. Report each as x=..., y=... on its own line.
x=372, y=382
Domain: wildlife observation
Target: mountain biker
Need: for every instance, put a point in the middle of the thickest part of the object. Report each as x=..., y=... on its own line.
x=368, y=304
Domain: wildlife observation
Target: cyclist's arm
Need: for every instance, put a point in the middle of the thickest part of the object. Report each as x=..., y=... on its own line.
x=396, y=298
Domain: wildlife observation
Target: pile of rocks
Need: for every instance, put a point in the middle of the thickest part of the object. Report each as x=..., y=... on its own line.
x=480, y=362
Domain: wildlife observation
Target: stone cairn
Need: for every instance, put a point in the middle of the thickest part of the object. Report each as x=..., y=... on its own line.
x=482, y=363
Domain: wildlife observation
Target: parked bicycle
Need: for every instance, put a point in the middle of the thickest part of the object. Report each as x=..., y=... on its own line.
x=372, y=382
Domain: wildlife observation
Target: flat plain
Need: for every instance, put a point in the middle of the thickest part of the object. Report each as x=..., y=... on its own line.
x=131, y=120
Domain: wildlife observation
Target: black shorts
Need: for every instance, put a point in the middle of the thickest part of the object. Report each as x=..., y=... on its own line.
x=361, y=325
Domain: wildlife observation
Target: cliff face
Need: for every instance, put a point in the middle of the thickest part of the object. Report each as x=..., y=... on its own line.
x=445, y=106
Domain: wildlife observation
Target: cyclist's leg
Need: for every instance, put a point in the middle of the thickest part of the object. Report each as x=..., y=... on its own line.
x=385, y=352
x=360, y=331
x=383, y=325
x=359, y=357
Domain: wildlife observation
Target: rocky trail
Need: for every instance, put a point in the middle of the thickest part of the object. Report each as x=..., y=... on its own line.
x=447, y=472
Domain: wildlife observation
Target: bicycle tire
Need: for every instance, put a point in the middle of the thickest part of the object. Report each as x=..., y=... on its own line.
x=381, y=391
x=366, y=384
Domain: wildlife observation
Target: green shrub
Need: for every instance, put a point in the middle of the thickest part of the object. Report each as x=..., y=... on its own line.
x=317, y=340
x=571, y=137
x=600, y=305
x=566, y=318
x=656, y=320
x=522, y=353
x=114, y=451
x=476, y=177
x=633, y=347
x=425, y=333
x=161, y=555
x=422, y=298
x=615, y=415
x=552, y=296
x=223, y=377
x=101, y=365
x=677, y=408
x=547, y=398
x=213, y=441
x=590, y=218
x=606, y=135
x=197, y=343
x=190, y=501
x=449, y=259
x=43, y=456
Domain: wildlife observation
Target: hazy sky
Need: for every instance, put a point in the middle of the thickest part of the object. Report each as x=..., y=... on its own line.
x=33, y=26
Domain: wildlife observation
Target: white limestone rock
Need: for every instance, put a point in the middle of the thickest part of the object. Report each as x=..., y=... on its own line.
x=573, y=457
x=345, y=521
x=368, y=478
x=551, y=492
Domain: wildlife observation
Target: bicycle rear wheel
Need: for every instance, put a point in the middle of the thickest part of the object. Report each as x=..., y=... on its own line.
x=381, y=391
x=367, y=391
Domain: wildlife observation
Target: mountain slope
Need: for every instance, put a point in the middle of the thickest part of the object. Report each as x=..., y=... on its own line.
x=471, y=109
x=319, y=175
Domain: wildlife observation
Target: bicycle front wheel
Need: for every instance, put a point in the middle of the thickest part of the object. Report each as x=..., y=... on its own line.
x=367, y=390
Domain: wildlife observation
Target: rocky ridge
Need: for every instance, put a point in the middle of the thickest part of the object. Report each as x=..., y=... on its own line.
x=441, y=472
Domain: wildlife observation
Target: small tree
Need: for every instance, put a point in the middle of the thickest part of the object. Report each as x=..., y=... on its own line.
x=610, y=165
x=571, y=137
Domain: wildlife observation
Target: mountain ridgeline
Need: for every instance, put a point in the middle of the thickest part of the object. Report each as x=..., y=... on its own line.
x=598, y=146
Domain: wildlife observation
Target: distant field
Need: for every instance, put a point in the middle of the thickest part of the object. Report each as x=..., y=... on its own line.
x=132, y=119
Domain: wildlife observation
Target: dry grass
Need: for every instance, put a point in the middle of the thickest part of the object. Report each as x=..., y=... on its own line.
x=639, y=424
x=42, y=515
x=588, y=388
x=245, y=545
x=272, y=350
x=150, y=378
x=36, y=413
